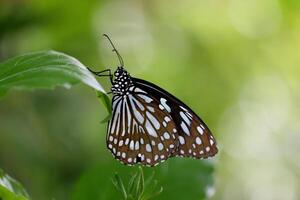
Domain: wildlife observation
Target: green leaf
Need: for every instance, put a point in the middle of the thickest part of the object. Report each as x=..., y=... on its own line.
x=107, y=104
x=10, y=189
x=131, y=183
x=140, y=184
x=138, y=188
x=120, y=186
x=154, y=193
x=44, y=70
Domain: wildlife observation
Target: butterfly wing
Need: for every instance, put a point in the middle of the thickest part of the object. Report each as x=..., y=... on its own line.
x=136, y=133
x=194, y=137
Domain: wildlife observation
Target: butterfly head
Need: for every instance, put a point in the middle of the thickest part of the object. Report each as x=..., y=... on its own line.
x=119, y=72
x=122, y=82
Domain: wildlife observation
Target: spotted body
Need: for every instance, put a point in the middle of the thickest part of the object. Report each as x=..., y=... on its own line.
x=149, y=125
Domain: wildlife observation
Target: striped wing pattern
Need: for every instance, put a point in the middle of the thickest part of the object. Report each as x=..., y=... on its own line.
x=149, y=125
x=139, y=131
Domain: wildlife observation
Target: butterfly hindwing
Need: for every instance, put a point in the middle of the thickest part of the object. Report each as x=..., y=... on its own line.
x=136, y=133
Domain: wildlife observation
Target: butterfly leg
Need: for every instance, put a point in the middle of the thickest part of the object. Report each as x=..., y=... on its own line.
x=100, y=73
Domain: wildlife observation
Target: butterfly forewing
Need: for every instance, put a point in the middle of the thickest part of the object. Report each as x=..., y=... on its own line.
x=193, y=136
x=139, y=131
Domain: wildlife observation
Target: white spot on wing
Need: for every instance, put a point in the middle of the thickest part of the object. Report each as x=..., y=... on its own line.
x=148, y=148
x=131, y=88
x=137, y=114
x=183, y=108
x=137, y=145
x=115, y=101
x=160, y=146
x=128, y=116
x=164, y=124
x=131, y=145
x=150, y=129
x=138, y=103
x=207, y=149
x=181, y=139
x=153, y=120
x=185, y=128
x=123, y=117
x=116, y=116
x=184, y=117
x=166, y=135
x=151, y=109
x=200, y=130
x=123, y=155
x=198, y=140
x=118, y=124
x=161, y=107
x=146, y=98
x=167, y=119
x=139, y=90
x=142, y=141
x=163, y=102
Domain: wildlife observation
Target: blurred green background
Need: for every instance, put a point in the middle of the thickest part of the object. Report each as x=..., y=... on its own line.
x=235, y=62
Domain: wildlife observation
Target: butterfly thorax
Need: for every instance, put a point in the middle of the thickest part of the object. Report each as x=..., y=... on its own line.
x=122, y=82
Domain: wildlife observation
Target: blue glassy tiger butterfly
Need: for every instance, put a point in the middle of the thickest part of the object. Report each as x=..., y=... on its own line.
x=150, y=125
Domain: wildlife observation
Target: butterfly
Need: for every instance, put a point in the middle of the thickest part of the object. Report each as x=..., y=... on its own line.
x=150, y=125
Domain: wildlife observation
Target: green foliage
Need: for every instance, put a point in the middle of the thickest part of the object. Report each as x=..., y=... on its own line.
x=180, y=178
x=44, y=69
x=10, y=189
x=107, y=104
x=138, y=188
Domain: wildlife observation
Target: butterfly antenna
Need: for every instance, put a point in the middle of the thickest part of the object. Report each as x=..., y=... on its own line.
x=115, y=50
